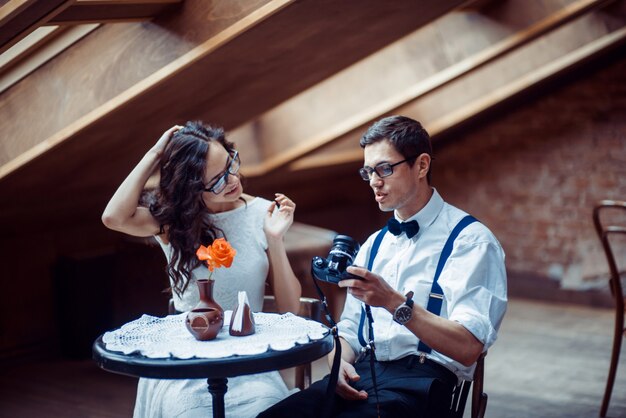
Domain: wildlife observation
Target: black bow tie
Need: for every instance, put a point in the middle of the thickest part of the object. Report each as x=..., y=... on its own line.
x=410, y=228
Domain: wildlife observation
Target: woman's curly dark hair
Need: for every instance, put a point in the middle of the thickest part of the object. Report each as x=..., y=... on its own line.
x=177, y=204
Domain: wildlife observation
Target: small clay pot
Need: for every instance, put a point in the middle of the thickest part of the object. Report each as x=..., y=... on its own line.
x=204, y=323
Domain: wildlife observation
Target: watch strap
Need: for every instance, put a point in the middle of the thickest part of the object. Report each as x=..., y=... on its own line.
x=400, y=311
x=409, y=299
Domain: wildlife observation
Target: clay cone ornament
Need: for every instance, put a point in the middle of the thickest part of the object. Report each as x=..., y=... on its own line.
x=242, y=320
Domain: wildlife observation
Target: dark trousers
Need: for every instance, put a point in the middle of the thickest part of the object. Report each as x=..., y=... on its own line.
x=406, y=388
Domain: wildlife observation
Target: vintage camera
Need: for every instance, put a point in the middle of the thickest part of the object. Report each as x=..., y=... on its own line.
x=341, y=255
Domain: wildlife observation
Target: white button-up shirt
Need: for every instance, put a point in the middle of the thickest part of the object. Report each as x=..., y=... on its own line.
x=473, y=281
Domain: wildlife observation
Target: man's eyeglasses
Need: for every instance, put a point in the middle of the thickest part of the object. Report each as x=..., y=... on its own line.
x=382, y=170
x=220, y=184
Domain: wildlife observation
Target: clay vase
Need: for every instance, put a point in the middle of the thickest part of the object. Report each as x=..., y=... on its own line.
x=205, y=320
x=205, y=288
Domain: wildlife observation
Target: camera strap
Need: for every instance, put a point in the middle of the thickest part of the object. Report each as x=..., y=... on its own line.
x=368, y=348
x=334, y=372
x=366, y=311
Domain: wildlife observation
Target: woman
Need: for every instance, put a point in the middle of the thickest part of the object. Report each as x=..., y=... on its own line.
x=199, y=199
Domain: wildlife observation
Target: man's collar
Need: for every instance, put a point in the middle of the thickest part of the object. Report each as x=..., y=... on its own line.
x=427, y=215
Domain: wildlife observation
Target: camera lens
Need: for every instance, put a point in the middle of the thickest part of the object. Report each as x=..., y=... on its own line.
x=343, y=244
x=342, y=253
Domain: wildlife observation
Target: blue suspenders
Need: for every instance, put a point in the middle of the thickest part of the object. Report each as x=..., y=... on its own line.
x=435, y=298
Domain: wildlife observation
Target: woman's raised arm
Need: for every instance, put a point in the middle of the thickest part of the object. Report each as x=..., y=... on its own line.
x=285, y=284
x=123, y=213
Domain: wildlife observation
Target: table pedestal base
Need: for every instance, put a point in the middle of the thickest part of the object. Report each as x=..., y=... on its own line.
x=217, y=389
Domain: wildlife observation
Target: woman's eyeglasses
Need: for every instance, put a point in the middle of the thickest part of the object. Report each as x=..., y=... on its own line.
x=220, y=184
x=382, y=170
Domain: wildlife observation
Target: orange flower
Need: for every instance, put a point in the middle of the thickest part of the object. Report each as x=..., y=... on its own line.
x=219, y=254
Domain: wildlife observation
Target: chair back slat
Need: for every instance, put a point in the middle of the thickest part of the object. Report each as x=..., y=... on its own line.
x=459, y=398
x=607, y=227
x=605, y=232
x=479, y=398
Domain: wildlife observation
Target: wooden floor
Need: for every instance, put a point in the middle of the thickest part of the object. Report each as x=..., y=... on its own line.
x=550, y=361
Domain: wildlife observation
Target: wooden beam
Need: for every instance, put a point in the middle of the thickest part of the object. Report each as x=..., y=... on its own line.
x=292, y=145
x=109, y=11
x=27, y=45
x=36, y=49
x=18, y=18
x=549, y=70
x=502, y=90
x=477, y=5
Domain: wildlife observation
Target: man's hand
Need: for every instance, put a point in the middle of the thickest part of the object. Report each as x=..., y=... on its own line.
x=347, y=374
x=372, y=289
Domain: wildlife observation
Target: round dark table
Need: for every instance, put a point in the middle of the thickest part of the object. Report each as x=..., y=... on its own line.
x=216, y=371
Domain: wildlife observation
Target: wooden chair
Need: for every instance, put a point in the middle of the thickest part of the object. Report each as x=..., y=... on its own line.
x=310, y=308
x=605, y=231
x=479, y=398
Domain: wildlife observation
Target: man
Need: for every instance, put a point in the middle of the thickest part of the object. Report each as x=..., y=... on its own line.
x=420, y=352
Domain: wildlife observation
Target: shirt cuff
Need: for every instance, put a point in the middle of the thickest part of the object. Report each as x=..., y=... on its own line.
x=479, y=325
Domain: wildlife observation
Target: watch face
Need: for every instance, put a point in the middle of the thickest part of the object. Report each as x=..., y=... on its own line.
x=403, y=314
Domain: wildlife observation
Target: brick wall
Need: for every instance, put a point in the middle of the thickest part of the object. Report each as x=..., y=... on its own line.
x=533, y=175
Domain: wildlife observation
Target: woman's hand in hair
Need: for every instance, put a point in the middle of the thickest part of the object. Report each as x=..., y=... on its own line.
x=160, y=145
x=279, y=217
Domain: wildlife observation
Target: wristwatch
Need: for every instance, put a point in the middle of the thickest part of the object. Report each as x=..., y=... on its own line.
x=403, y=313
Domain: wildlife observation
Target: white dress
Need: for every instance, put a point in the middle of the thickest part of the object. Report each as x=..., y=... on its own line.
x=247, y=396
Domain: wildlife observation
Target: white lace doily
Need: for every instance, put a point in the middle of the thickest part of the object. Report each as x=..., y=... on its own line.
x=157, y=337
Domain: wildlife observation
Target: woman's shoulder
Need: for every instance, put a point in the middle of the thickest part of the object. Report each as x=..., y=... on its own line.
x=252, y=209
x=256, y=202
x=163, y=236
x=253, y=199
x=164, y=243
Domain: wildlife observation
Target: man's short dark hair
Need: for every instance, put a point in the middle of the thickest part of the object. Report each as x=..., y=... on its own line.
x=408, y=137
